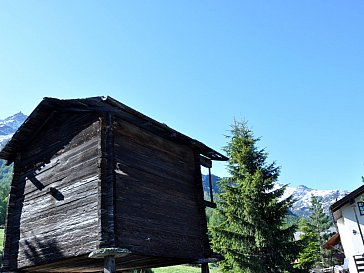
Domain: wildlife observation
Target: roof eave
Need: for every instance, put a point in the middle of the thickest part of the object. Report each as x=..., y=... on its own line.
x=347, y=199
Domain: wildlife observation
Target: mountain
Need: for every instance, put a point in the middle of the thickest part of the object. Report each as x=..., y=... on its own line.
x=214, y=180
x=9, y=126
x=301, y=194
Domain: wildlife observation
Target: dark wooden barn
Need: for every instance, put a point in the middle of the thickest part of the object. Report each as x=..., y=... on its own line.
x=98, y=185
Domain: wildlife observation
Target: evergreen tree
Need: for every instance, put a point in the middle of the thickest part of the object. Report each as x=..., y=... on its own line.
x=314, y=236
x=249, y=230
x=6, y=174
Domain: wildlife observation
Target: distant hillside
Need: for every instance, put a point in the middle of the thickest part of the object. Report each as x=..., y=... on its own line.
x=205, y=183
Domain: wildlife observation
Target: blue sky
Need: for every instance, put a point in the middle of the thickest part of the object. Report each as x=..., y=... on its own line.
x=292, y=69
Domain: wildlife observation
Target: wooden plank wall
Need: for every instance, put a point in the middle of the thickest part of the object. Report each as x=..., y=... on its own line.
x=106, y=202
x=56, y=209
x=158, y=199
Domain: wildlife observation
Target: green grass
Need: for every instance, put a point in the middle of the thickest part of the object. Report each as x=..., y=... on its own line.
x=177, y=269
x=182, y=269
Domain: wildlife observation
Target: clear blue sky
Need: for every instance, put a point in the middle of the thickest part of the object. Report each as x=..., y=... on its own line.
x=292, y=69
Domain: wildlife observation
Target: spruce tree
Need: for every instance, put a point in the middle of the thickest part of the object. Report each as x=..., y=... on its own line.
x=315, y=234
x=249, y=231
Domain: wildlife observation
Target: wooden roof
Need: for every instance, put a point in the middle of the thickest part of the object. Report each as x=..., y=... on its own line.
x=333, y=241
x=49, y=107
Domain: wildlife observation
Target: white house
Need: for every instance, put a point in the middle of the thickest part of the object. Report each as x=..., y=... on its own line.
x=348, y=214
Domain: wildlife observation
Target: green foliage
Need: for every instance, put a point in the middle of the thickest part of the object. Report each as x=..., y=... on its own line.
x=314, y=236
x=291, y=219
x=209, y=212
x=248, y=228
x=6, y=174
x=177, y=269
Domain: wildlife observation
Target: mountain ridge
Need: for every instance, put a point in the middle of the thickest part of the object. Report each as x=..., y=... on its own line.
x=9, y=125
x=301, y=194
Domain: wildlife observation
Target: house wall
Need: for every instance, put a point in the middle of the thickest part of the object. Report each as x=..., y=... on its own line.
x=55, y=193
x=347, y=224
x=159, y=198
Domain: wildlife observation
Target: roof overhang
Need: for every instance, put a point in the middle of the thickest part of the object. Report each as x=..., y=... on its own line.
x=348, y=199
x=332, y=242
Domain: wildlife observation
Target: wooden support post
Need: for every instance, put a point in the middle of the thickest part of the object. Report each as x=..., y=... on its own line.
x=109, y=264
x=205, y=268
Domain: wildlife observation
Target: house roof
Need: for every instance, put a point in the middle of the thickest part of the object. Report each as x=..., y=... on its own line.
x=51, y=106
x=348, y=199
x=333, y=241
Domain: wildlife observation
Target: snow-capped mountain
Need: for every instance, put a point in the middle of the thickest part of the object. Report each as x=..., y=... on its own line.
x=302, y=195
x=9, y=126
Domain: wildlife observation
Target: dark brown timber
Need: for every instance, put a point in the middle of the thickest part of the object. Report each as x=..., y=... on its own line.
x=93, y=175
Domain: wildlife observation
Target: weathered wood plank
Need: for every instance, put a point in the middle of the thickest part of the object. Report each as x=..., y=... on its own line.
x=137, y=135
x=81, y=244
x=157, y=209
x=162, y=204
x=146, y=241
x=61, y=169
x=107, y=186
x=205, y=162
x=53, y=227
x=52, y=218
x=154, y=223
x=152, y=187
x=147, y=186
x=84, y=264
x=70, y=191
x=152, y=160
x=69, y=132
x=199, y=194
x=11, y=235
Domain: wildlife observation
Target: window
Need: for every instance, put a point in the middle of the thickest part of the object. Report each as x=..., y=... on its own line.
x=361, y=207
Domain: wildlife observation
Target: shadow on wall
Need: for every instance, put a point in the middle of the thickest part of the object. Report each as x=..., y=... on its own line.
x=38, y=252
x=35, y=159
x=35, y=250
